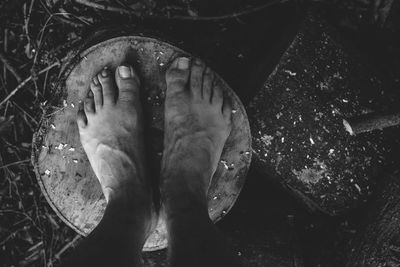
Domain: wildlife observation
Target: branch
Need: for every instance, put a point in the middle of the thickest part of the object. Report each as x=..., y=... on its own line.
x=8, y=65
x=24, y=82
x=197, y=18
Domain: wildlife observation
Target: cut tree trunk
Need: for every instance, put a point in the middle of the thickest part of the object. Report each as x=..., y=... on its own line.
x=62, y=168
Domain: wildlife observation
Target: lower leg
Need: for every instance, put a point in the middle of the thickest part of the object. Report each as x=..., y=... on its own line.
x=111, y=133
x=117, y=240
x=194, y=240
x=197, y=124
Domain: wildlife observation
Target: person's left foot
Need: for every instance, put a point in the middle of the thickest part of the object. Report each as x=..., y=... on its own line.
x=111, y=132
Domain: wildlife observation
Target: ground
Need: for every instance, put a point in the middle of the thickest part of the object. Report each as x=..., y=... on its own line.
x=35, y=38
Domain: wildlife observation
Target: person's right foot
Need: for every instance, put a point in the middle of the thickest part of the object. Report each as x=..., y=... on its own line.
x=197, y=124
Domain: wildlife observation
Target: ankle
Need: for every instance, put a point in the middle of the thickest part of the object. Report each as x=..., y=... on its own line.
x=184, y=204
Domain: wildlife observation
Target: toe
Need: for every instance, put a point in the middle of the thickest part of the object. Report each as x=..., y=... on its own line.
x=108, y=87
x=217, y=95
x=177, y=75
x=97, y=91
x=81, y=119
x=207, y=84
x=128, y=83
x=196, y=78
x=89, y=103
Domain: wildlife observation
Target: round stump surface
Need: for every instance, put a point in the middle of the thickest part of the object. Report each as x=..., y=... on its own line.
x=61, y=165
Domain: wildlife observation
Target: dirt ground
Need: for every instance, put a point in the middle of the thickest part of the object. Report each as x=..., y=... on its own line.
x=235, y=37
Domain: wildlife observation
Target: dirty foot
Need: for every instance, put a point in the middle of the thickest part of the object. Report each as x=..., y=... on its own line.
x=197, y=124
x=111, y=133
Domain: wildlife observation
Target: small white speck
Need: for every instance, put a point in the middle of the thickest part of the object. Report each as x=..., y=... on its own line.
x=52, y=126
x=331, y=151
x=290, y=73
x=247, y=153
x=224, y=212
x=283, y=139
x=267, y=139
x=225, y=164
x=162, y=64
x=345, y=101
x=72, y=105
x=234, y=111
x=239, y=253
x=65, y=103
x=75, y=160
x=358, y=187
x=266, y=154
x=312, y=141
x=61, y=146
x=71, y=149
x=47, y=172
x=215, y=198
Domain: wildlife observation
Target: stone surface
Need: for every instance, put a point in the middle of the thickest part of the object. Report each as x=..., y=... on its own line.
x=62, y=168
x=297, y=122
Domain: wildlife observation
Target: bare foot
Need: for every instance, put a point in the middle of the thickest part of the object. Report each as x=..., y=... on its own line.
x=197, y=124
x=111, y=132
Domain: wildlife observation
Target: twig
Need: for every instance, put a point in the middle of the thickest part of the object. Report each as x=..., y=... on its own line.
x=14, y=163
x=107, y=7
x=24, y=82
x=5, y=47
x=8, y=65
x=67, y=246
x=26, y=114
x=178, y=17
x=25, y=215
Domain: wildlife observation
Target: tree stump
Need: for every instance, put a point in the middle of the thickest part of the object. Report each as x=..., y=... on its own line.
x=299, y=140
x=61, y=165
x=378, y=244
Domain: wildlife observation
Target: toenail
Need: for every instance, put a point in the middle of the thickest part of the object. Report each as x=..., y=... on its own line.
x=95, y=81
x=104, y=73
x=183, y=63
x=124, y=72
x=197, y=61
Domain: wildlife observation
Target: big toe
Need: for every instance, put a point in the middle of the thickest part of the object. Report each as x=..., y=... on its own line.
x=128, y=83
x=108, y=86
x=177, y=75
